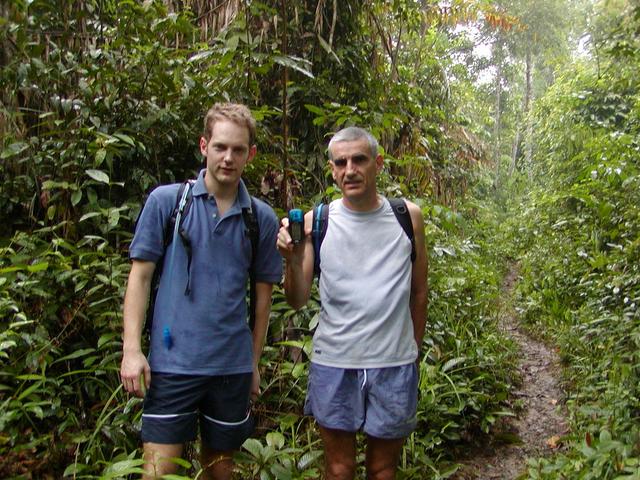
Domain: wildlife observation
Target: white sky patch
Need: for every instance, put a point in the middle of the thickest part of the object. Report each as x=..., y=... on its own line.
x=481, y=49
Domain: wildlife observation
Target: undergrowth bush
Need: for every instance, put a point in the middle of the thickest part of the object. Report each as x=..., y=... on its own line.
x=581, y=264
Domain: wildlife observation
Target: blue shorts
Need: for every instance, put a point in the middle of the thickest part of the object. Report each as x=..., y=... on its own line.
x=381, y=402
x=174, y=404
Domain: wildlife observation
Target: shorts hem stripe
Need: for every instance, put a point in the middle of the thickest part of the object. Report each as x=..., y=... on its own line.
x=230, y=424
x=167, y=415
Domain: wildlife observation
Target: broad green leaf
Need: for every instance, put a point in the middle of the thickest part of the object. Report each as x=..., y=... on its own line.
x=74, y=469
x=125, y=138
x=106, y=338
x=232, y=43
x=452, y=363
x=28, y=391
x=7, y=344
x=328, y=49
x=76, y=196
x=275, y=439
x=281, y=472
x=295, y=63
x=98, y=175
x=38, y=267
x=101, y=154
x=51, y=212
x=113, y=218
x=200, y=56
x=86, y=216
x=254, y=447
x=13, y=149
x=308, y=458
x=76, y=354
x=314, y=109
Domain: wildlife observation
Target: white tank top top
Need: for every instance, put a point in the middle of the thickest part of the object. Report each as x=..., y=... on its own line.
x=365, y=286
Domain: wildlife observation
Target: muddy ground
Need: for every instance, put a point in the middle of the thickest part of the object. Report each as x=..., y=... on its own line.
x=541, y=421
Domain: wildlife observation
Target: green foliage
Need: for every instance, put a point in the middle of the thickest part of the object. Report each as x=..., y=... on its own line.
x=101, y=101
x=578, y=230
x=59, y=353
x=273, y=460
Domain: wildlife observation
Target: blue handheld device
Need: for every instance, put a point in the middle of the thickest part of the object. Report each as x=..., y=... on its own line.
x=296, y=225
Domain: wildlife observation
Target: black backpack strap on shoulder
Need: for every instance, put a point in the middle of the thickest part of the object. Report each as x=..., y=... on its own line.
x=318, y=231
x=252, y=229
x=181, y=210
x=403, y=216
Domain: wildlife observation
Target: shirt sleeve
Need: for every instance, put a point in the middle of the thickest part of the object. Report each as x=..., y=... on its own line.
x=148, y=239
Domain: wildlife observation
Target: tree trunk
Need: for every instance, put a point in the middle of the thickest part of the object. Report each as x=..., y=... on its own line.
x=514, y=151
x=527, y=108
x=497, y=113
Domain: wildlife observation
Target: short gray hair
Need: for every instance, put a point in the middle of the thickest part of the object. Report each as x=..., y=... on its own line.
x=351, y=134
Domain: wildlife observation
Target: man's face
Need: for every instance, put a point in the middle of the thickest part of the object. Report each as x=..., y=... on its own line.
x=227, y=152
x=355, y=170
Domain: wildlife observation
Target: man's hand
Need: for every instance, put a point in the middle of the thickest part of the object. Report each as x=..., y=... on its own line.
x=288, y=250
x=135, y=373
x=255, y=384
x=298, y=272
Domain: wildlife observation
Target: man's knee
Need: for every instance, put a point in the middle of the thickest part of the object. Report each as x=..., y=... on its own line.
x=383, y=457
x=382, y=473
x=158, y=459
x=382, y=469
x=340, y=469
x=216, y=465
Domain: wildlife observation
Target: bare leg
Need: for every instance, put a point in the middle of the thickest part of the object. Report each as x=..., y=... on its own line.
x=157, y=459
x=339, y=454
x=382, y=457
x=217, y=465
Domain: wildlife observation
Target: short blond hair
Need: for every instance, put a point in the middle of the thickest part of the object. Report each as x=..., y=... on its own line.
x=236, y=112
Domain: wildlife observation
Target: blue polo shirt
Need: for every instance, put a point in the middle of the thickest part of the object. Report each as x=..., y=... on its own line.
x=209, y=326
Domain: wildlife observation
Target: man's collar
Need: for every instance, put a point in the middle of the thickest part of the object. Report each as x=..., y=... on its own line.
x=243, y=199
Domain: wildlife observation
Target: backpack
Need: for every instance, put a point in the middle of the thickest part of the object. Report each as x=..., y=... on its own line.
x=180, y=211
x=321, y=221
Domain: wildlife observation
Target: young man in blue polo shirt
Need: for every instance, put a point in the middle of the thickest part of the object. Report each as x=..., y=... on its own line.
x=363, y=374
x=207, y=372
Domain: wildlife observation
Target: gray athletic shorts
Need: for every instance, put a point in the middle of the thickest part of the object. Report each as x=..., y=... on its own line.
x=175, y=404
x=381, y=402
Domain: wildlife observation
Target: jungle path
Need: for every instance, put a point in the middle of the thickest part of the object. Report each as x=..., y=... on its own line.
x=540, y=423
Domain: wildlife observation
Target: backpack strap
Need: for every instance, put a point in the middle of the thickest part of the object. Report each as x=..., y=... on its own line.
x=252, y=229
x=180, y=211
x=183, y=199
x=403, y=216
x=318, y=231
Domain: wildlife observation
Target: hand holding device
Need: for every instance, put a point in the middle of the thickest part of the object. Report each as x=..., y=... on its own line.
x=296, y=225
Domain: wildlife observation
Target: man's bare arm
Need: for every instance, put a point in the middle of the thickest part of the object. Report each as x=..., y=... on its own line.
x=298, y=270
x=263, y=311
x=419, y=272
x=136, y=299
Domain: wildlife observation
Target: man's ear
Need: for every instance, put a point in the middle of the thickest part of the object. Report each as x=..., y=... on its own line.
x=333, y=170
x=252, y=153
x=379, y=163
x=203, y=146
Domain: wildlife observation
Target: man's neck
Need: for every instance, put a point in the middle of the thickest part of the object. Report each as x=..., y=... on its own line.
x=225, y=195
x=362, y=205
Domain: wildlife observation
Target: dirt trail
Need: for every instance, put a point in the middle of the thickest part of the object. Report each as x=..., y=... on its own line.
x=540, y=424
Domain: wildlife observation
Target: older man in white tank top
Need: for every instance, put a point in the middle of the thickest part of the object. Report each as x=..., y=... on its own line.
x=363, y=374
